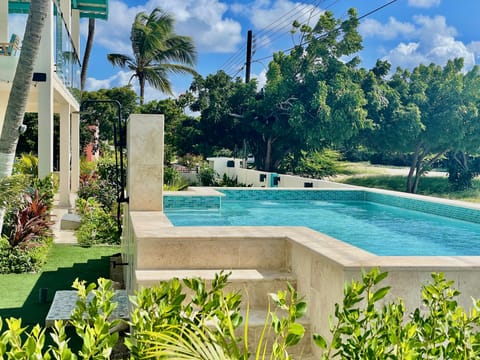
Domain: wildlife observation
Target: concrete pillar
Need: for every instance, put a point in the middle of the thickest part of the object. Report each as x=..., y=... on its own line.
x=45, y=98
x=75, y=148
x=75, y=30
x=65, y=154
x=145, y=162
x=4, y=21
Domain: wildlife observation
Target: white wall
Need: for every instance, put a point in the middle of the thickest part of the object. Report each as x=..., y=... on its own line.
x=251, y=177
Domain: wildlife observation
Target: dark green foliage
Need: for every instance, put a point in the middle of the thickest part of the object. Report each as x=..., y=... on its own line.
x=462, y=169
x=101, y=183
x=108, y=112
x=97, y=225
x=316, y=164
x=207, y=176
x=16, y=260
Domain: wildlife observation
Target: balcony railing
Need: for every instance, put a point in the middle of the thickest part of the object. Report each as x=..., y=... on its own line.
x=67, y=63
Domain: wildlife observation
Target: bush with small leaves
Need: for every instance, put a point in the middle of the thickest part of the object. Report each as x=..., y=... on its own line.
x=367, y=329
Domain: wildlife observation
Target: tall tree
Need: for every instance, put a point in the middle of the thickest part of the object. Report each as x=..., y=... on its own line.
x=88, y=50
x=312, y=98
x=19, y=93
x=157, y=52
x=437, y=92
x=223, y=103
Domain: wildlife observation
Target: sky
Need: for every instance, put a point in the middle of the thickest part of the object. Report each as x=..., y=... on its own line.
x=404, y=32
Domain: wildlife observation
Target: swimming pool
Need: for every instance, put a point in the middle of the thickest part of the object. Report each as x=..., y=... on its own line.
x=379, y=228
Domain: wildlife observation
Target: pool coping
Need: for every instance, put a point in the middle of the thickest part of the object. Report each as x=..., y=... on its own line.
x=348, y=256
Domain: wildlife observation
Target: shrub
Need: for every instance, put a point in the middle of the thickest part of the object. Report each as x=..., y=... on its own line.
x=207, y=176
x=97, y=225
x=30, y=223
x=27, y=164
x=100, y=190
x=172, y=180
x=16, y=260
x=165, y=325
x=366, y=330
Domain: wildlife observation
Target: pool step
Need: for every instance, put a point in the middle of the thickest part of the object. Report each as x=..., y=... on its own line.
x=254, y=284
x=204, y=250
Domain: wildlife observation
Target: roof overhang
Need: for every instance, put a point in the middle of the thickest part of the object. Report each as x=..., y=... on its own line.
x=88, y=8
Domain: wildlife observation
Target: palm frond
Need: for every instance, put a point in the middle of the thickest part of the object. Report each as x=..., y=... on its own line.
x=178, y=49
x=157, y=78
x=120, y=59
x=181, y=343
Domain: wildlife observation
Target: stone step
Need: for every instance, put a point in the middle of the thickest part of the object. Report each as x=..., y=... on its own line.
x=70, y=221
x=254, y=284
x=202, y=250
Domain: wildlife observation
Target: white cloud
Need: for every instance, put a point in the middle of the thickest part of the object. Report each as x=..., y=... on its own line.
x=424, y=3
x=16, y=25
x=261, y=79
x=121, y=78
x=390, y=30
x=203, y=20
x=433, y=41
x=279, y=14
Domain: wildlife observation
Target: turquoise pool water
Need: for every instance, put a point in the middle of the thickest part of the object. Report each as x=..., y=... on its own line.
x=380, y=229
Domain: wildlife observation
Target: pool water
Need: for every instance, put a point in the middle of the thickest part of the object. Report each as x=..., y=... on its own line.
x=380, y=229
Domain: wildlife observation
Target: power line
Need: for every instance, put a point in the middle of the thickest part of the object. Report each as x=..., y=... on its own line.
x=301, y=9
x=337, y=28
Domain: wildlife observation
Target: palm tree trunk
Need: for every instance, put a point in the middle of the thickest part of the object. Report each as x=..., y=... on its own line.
x=22, y=81
x=88, y=50
x=141, y=81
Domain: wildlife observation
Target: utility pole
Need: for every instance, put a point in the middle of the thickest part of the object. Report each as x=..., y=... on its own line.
x=248, y=61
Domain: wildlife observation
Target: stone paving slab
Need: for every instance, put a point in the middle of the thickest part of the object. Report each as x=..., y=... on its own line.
x=64, y=303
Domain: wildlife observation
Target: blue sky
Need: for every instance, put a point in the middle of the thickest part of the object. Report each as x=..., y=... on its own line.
x=406, y=32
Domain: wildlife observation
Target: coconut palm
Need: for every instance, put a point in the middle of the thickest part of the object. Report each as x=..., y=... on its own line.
x=157, y=51
x=17, y=100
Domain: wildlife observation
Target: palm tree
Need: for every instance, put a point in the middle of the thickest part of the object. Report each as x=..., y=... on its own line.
x=157, y=51
x=17, y=100
x=88, y=50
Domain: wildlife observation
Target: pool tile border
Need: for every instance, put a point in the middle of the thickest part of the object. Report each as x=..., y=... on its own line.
x=213, y=198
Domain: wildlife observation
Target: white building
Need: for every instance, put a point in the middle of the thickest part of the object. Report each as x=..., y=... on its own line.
x=56, y=80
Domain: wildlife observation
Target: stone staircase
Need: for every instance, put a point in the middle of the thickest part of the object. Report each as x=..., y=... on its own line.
x=257, y=275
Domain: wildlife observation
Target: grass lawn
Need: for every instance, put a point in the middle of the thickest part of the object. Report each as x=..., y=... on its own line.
x=432, y=186
x=20, y=292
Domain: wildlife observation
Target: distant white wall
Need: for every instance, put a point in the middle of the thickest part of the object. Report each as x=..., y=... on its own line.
x=257, y=178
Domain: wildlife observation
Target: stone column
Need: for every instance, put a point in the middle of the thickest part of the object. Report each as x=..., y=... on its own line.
x=65, y=154
x=145, y=162
x=4, y=21
x=75, y=164
x=45, y=98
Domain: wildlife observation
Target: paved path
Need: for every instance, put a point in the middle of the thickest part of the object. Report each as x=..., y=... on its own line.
x=61, y=236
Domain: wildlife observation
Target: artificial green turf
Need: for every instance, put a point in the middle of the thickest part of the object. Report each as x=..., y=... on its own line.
x=19, y=293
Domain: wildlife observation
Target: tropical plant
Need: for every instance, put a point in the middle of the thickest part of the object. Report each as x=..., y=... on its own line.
x=88, y=50
x=20, y=90
x=157, y=51
x=27, y=164
x=31, y=222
